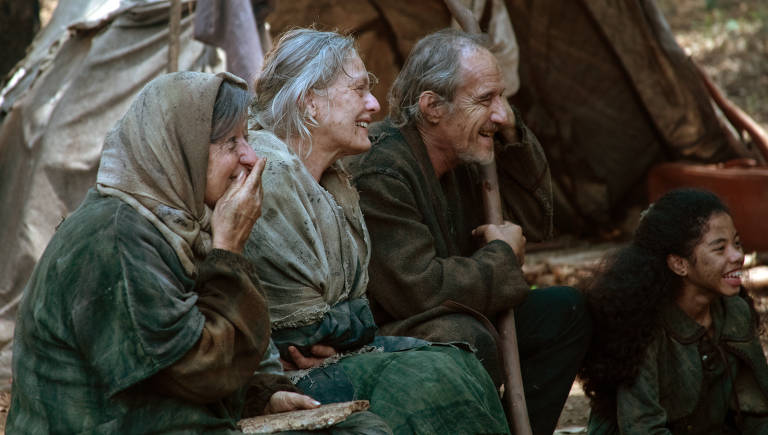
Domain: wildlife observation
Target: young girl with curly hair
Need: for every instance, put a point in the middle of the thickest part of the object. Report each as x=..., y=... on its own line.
x=675, y=348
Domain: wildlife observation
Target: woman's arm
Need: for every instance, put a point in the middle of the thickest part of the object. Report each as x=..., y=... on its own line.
x=637, y=406
x=236, y=329
x=234, y=337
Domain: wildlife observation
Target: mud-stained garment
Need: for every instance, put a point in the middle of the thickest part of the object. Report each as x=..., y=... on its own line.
x=310, y=248
x=110, y=306
x=130, y=322
x=691, y=382
x=423, y=255
x=310, y=244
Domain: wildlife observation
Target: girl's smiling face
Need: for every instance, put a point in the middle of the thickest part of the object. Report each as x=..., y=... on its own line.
x=716, y=262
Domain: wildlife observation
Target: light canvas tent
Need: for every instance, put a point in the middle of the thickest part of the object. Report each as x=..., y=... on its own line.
x=69, y=90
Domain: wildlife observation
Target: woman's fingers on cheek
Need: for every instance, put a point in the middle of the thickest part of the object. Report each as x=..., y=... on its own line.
x=241, y=178
x=261, y=163
x=234, y=187
x=254, y=177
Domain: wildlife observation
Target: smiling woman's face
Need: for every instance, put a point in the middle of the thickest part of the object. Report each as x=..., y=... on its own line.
x=344, y=110
x=226, y=160
x=715, y=265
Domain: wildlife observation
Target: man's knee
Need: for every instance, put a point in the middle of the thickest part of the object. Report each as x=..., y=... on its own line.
x=555, y=313
x=466, y=328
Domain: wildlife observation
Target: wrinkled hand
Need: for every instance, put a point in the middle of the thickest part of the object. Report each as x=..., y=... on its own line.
x=284, y=401
x=319, y=352
x=237, y=210
x=507, y=232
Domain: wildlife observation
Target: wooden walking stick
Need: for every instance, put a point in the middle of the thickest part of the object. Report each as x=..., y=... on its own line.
x=513, y=390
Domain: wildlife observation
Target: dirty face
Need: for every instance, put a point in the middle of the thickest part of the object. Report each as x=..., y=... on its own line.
x=478, y=109
x=716, y=262
x=344, y=110
x=226, y=160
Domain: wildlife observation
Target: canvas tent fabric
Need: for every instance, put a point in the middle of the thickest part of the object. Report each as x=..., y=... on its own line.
x=603, y=85
x=608, y=91
x=68, y=92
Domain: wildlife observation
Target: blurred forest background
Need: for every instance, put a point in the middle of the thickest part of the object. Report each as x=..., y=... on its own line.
x=729, y=38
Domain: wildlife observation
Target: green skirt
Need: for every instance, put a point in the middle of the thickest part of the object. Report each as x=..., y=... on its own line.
x=432, y=389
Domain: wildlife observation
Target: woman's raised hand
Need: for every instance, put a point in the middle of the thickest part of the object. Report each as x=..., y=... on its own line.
x=237, y=210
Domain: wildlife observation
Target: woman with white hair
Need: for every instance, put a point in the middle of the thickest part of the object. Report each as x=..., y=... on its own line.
x=312, y=250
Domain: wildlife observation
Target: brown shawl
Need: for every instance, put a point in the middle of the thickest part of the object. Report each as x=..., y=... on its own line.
x=156, y=158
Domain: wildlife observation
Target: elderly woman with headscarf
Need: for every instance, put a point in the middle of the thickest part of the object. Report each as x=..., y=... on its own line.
x=142, y=315
x=311, y=249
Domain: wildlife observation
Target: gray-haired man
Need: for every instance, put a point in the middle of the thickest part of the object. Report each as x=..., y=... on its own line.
x=420, y=199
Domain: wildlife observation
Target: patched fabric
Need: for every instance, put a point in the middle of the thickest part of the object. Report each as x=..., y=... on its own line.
x=312, y=250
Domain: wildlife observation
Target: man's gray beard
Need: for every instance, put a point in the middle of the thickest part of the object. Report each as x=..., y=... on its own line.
x=469, y=157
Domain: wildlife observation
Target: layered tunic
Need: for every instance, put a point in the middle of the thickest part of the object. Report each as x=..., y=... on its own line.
x=311, y=249
x=423, y=252
x=110, y=309
x=430, y=279
x=691, y=382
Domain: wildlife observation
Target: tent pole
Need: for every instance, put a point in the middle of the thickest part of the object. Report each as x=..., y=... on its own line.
x=174, y=31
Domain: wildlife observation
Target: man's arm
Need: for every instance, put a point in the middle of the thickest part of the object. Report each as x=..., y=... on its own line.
x=525, y=182
x=407, y=276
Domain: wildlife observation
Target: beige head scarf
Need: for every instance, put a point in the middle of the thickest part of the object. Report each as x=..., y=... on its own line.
x=156, y=159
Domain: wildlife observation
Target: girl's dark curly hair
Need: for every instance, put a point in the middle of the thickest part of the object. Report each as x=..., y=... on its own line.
x=625, y=298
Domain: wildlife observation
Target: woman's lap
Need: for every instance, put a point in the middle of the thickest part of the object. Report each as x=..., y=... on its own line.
x=430, y=389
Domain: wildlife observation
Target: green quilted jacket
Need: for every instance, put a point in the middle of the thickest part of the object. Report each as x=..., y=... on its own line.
x=691, y=382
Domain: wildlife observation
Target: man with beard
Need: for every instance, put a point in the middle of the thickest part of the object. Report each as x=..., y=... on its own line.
x=420, y=199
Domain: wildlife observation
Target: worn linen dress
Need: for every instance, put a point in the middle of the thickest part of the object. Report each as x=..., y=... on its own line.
x=311, y=249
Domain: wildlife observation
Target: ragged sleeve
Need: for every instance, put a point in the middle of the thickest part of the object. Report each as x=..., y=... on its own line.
x=407, y=275
x=235, y=335
x=639, y=410
x=205, y=335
